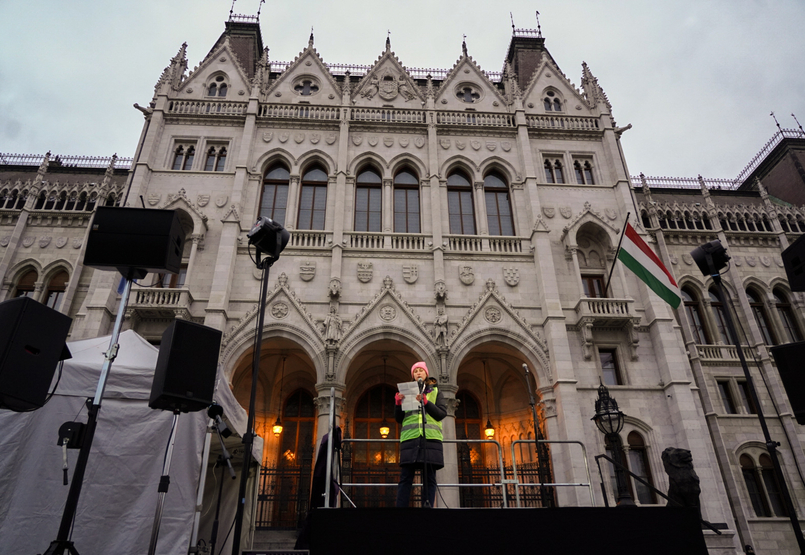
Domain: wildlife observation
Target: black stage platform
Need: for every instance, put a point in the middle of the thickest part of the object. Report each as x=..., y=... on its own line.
x=566, y=531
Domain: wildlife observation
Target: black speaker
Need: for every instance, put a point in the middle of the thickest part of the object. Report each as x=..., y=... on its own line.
x=135, y=239
x=790, y=360
x=32, y=342
x=184, y=378
x=794, y=261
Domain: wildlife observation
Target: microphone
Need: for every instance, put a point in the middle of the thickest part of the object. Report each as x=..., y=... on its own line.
x=525, y=367
x=421, y=384
x=215, y=410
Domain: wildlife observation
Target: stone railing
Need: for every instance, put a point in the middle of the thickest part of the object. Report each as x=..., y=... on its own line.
x=160, y=303
x=387, y=115
x=299, y=111
x=570, y=123
x=723, y=354
x=506, y=244
x=464, y=243
x=478, y=119
x=364, y=240
x=606, y=312
x=307, y=239
x=207, y=108
x=408, y=241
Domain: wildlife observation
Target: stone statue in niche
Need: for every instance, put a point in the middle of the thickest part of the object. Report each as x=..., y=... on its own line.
x=332, y=326
x=440, y=328
x=683, y=483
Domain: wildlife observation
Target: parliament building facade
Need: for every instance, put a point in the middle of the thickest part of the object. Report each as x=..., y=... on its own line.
x=462, y=217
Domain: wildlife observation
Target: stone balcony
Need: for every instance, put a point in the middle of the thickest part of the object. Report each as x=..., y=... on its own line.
x=606, y=313
x=723, y=355
x=159, y=303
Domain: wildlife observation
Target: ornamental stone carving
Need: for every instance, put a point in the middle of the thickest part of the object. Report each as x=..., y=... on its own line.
x=404, y=142
x=506, y=145
x=751, y=260
x=221, y=200
x=388, y=312
x=419, y=142
x=476, y=145
x=60, y=242
x=267, y=136
x=461, y=145
x=566, y=212
x=335, y=288
x=77, y=243
x=549, y=211
x=372, y=140
x=440, y=291
x=44, y=241
x=298, y=138
x=766, y=261
x=738, y=260
x=445, y=143
x=493, y=315
x=5, y=241
x=203, y=200
x=388, y=141
x=315, y=138
x=511, y=276
x=307, y=270
x=28, y=241
x=154, y=198
x=611, y=213
x=365, y=272
x=410, y=273
x=330, y=139
x=490, y=146
x=687, y=258
x=357, y=139
x=466, y=275
x=279, y=310
x=283, y=137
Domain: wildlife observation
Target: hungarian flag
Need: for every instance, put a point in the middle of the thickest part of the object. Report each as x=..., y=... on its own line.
x=639, y=258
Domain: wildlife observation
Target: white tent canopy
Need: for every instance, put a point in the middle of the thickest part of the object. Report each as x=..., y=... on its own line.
x=119, y=496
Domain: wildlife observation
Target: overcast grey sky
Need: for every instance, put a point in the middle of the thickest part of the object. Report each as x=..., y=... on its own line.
x=697, y=79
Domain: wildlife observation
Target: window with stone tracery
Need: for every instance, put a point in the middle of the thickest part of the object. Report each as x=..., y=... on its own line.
x=460, y=204
x=218, y=87
x=551, y=102
x=368, y=200
x=313, y=199
x=406, y=202
x=498, y=205
x=183, y=157
x=216, y=159
x=584, y=172
x=554, y=171
x=26, y=284
x=274, y=198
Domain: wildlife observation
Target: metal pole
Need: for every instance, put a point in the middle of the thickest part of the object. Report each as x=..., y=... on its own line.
x=164, y=483
x=330, y=448
x=248, y=437
x=62, y=543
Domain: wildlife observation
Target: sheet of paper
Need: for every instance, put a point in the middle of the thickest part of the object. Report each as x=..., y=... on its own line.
x=410, y=390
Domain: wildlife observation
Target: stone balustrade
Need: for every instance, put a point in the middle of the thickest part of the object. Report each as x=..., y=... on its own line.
x=207, y=108
x=568, y=123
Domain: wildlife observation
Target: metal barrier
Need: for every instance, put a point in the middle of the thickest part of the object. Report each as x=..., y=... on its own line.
x=503, y=481
x=517, y=483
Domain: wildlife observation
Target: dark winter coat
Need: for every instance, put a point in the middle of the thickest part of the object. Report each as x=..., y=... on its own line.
x=419, y=450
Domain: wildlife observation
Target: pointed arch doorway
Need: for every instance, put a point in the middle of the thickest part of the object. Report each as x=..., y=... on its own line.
x=492, y=391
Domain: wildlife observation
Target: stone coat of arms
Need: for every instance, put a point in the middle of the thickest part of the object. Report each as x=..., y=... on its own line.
x=307, y=270
x=410, y=273
x=466, y=275
x=365, y=272
x=511, y=276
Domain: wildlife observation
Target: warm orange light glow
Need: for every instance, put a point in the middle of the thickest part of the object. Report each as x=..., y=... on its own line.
x=489, y=431
x=277, y=428
x=384, y=431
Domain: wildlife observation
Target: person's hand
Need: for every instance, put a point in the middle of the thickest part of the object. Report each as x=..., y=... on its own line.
x=398, y=398
x=420, y=398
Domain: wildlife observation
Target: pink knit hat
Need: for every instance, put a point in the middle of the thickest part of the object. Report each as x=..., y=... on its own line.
x=419, y=365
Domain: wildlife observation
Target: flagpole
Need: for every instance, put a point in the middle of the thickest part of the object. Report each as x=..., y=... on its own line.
x=623, y=231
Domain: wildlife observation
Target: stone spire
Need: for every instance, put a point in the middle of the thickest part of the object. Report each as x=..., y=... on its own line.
x=262, y=74
x=178, y=67
x=464, y=47
x=310, y=40
x=593, y=92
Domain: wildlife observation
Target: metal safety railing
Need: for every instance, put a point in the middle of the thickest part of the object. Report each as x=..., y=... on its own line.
x=502, y=484
x=518, y=485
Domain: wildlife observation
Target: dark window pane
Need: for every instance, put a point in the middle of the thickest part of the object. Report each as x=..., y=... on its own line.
x=609, y=367
x=726, y=397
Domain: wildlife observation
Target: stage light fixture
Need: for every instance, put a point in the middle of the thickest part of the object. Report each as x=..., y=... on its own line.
x=269, y=238
x=710, y=257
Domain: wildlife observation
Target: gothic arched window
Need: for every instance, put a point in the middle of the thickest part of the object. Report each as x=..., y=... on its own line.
x=460, y=204
x=313, y=199
x=498, y=205
x=368, y=201
x=55, y=290
x=789, y=321
x=274, y=199
x=26, y=284
x=759, y=312
x=406, y=202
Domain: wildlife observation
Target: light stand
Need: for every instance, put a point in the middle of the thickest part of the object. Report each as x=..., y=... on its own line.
x=710, y=258
x=269, y=238
x=609, y=420
x=542, y=453
x=164, y=484
x=62, y=542
x=221, y=430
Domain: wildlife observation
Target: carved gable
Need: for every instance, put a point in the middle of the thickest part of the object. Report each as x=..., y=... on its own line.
x=387, y=84
x=467, y=86
x=307, y=79
x=548, y=82
x=220, y=62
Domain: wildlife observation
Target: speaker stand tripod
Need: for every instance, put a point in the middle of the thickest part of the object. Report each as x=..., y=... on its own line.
x=62, y=542
x=164, y=484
